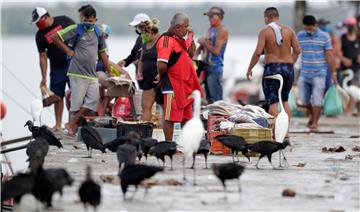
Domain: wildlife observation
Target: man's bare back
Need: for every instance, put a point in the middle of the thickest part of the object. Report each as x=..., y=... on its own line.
x=283, y=53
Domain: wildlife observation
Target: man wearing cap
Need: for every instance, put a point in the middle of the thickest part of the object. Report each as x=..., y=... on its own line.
x=316, y=58
x=214, y=46
x=350, y=59
x=139, y=22
x=48, y=26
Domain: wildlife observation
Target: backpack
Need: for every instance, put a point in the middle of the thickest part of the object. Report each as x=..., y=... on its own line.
x=79, y=33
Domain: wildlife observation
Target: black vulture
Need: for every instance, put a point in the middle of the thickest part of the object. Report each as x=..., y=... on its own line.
x=43, y=187
x=36, y=151
x=91, y=137
x=228, y=171
x=17, y=186
x=267, y=148
x=146, y=144
x=204, y=149
x=164, y=148
x=126, y=154
x=235, y=143
x=114, y=144
x=90, y=191
x=134, y=174
x=135, y=140
x=45, y=132
x=58, y=177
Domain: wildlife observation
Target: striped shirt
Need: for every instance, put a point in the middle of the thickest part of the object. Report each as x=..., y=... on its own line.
x=313, y=46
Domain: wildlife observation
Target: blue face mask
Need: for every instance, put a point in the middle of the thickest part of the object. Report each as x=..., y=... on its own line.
x=88, y=26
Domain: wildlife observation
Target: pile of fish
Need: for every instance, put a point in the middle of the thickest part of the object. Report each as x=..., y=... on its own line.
x=238, y=116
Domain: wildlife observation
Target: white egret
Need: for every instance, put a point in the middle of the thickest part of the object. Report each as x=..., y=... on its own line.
x=36, y=110
x=282, y=119
x=352, y=90
x=192, y=132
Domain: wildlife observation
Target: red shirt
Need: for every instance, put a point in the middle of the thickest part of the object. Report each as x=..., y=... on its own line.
x=182, y=74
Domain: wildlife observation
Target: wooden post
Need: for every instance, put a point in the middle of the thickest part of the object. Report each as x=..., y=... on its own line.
x=300, y=11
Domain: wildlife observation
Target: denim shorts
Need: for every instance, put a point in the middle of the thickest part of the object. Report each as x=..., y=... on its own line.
x=213, y=83
x=312, y=88
x=271, y=86
x=58, y=81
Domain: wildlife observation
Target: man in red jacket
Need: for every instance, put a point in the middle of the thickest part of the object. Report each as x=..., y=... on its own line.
x=176, y=73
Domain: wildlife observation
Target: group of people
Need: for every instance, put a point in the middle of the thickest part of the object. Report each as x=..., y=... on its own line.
x=282, y=46
x=164, y=66
x=164, y=62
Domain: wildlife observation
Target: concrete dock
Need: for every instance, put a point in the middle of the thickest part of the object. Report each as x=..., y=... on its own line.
x=322, y=181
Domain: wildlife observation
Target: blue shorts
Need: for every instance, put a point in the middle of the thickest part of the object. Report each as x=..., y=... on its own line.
x=58, y=80
x=271, y=86
x=312, y=88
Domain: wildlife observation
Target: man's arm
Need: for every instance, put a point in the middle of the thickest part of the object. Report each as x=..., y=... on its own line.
x=43, y=66
x=295, y=47
x=331, y=62
x=221, y=38
x=257, y=53
x=104, y=57
x=58, y=41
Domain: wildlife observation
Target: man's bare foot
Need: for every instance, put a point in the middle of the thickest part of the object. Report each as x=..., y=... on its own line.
x=56, y=129
x=310, y=123
x=71, y=130
x=313, y=128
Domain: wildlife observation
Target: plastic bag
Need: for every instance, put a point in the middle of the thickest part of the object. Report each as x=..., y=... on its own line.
x=344, y=97
x=122, y=107
x=48, y=96
x=295, y=112
x=332, y=102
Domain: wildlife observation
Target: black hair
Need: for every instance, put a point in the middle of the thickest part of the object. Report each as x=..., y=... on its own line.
x=87, y=11
x=309, y=20
x=271, y=12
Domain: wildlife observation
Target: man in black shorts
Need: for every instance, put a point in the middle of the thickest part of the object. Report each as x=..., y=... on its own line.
x=48, y=26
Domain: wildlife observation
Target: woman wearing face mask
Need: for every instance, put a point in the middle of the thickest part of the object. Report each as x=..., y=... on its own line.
x=350, y=47
x=138, y=22
x=147, y=68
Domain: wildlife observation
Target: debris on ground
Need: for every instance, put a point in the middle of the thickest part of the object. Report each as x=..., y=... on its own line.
x=153, y=182
x=348, y=157
x=354, y=136
x=288, y=192
x=356, y=149
x=76, y=147
x=112, y=179
x=333, y=149
x=300, y=165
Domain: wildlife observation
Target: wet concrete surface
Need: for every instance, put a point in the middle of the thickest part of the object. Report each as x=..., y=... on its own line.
x=327, y=182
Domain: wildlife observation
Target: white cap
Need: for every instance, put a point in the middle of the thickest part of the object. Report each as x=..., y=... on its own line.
x=141, y=17
x=37, y=13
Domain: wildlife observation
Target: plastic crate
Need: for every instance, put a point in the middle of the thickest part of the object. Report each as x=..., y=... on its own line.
x=145, y=129
x=216, y=147
x=106, y=134
x=254, y=135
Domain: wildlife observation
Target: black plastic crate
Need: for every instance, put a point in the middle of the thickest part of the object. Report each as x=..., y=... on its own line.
x=144, y=129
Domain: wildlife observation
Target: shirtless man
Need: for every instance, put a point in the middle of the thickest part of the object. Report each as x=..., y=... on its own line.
x=281, y=52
